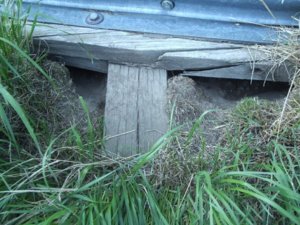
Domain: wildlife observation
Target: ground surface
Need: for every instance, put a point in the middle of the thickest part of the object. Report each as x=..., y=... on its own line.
x=225, y=93
x=192, y=96
x=219, y=93
x=92, y=87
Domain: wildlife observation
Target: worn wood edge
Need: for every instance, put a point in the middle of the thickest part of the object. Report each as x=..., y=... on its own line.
x=83, y=63
x=209, y=59
x=204, y=59
x=76, y=46
x=117, y=46
x=124, y=39
x=135, y=114
x=259, y=71
x=47, y=30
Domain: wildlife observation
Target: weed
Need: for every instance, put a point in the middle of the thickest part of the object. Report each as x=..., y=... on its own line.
x=54, y=172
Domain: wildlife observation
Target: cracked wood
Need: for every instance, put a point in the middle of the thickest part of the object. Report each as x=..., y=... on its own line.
x=94, y=49
x=135, y=115
x=246, y=72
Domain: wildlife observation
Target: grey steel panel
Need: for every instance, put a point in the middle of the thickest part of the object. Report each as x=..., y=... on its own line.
x=209, y=19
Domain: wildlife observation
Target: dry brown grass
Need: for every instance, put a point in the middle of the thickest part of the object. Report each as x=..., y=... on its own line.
x=253, y=124
x=51, y=109
x=266, y=121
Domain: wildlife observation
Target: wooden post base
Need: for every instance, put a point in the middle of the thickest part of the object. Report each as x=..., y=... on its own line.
x=135, y=113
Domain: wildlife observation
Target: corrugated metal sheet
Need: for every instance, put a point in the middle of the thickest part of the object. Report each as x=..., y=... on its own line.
x=233, y=20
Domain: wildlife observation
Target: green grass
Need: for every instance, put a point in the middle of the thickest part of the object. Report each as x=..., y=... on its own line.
x=67, y=179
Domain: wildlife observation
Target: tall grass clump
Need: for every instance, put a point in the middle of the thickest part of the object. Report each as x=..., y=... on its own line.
x=15, y=61
x=54, y=169
x=252, y=176
x=34, y=106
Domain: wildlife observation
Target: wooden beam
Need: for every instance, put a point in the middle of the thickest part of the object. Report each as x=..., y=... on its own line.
x=135, y=115
x=208, y=59
x=83, y=63
x=117, y=46
x=260, y=71
x=76, y=46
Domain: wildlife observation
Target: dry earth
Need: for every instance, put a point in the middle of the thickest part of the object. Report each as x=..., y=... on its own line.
x=191, y=97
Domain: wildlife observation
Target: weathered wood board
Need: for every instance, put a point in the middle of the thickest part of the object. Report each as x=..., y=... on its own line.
x=117, y=46
x=248, y=72
x=78, y=46
x=208, y=59
x=135, y=114
x=83, y=63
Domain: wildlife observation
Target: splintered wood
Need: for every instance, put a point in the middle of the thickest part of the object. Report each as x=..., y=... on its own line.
x=135, y=114
x=94, y=49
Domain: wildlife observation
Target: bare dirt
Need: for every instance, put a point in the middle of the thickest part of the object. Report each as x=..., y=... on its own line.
x=225, y=93
x=92, y=87
x=213, y=93
x=191, y=96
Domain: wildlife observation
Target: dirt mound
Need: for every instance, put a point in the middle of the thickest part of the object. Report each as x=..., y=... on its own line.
x=66, y=107
x=51, y=108
x=65, y=101
x=190, y=103
x=224, y=111
x=183, y=155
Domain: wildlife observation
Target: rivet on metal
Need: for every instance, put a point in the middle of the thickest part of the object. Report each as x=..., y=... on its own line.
x=94, y=18
x=167, y=4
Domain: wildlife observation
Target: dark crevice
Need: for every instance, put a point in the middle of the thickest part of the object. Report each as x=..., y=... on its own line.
x=91, y=86
x=224, y=90
x=210, y=68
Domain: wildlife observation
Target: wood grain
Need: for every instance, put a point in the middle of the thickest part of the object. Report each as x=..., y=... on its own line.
x=76, y=46
x=153, y=120
x=208, y=59
x=135, y=115
x=83, y=63
x=260, y=71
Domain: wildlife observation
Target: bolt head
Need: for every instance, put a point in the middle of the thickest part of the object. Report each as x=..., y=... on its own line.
x=94, y=16
x=167, y=4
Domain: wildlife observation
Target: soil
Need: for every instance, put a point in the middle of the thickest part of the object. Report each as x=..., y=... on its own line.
x=193, y=96
x=225, y=93
x=92, y=87
x=215, y=93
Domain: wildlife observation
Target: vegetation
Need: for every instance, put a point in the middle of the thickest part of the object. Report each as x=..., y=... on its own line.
x=53, y=175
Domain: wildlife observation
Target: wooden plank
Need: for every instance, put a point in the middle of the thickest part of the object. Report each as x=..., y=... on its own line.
x=77, y=45
x=120, y=98
x=208, y=59
x=116, y=46
x=124, y=40
x=246, y=72
x=135, y=115
x=43, y=30
x=153, y=120
x=83, y=63
x=134, y=53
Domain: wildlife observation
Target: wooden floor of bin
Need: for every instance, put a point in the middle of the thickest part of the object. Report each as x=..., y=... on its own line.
x=135, y=111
